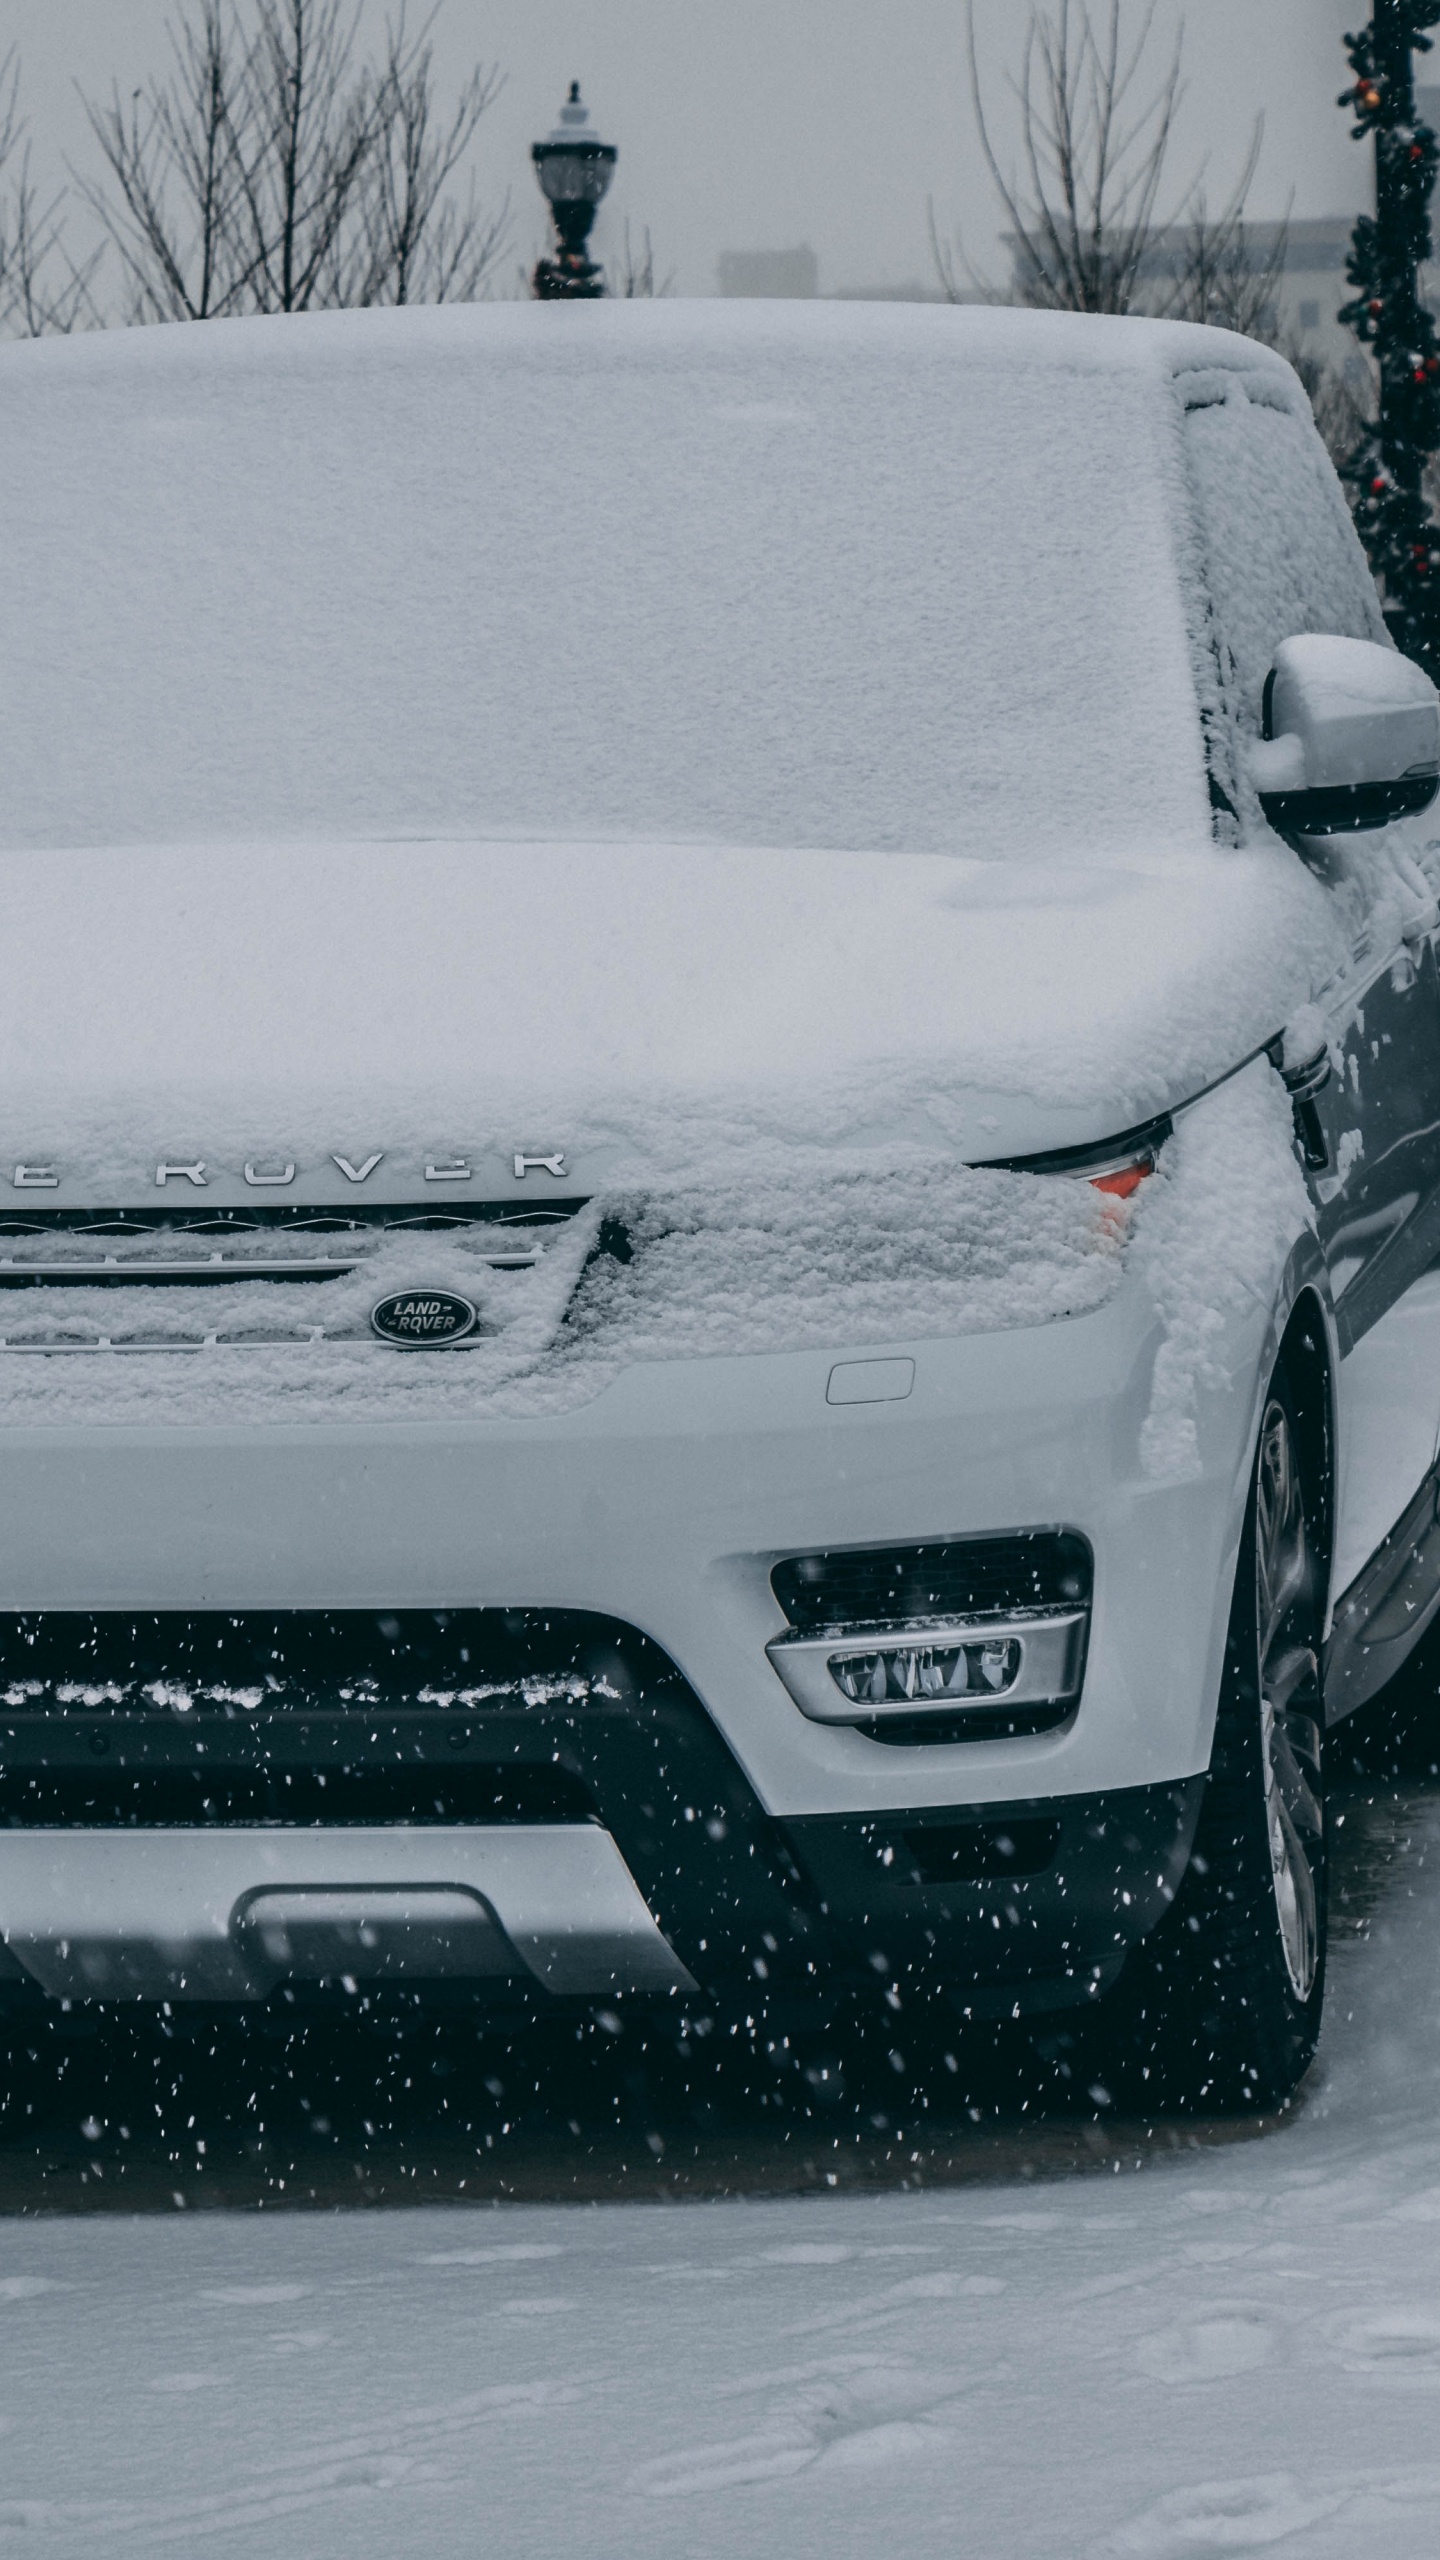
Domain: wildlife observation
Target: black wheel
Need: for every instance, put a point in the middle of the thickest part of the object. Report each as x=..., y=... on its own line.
x=1233, y=1982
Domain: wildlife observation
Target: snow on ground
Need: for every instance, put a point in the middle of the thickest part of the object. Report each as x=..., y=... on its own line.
x=1236, y=2349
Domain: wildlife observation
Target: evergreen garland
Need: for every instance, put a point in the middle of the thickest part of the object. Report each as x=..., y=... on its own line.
x=1387, y=315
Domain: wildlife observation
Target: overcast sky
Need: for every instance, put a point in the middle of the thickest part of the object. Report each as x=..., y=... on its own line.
x=749, y=124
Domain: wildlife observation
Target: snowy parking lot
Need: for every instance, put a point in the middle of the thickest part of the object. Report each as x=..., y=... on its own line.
x=1088, y=2338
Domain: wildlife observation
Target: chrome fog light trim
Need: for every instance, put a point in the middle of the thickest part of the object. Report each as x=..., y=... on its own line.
x=860, y=1675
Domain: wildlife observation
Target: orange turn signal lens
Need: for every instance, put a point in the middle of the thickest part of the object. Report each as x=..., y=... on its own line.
x=1128, y=1178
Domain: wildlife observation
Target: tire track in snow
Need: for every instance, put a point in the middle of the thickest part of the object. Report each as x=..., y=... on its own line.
x=849, y=2413
x=368, y=2459
x=1385, y=2515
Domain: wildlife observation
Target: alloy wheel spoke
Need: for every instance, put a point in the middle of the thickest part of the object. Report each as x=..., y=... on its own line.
x=1295, y=1902
x=1281, y=1547
x=1289, y=1687
x=1292, y=1781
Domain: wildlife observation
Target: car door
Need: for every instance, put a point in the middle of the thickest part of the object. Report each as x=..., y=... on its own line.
x=1377, y=1204
x=1280, y=556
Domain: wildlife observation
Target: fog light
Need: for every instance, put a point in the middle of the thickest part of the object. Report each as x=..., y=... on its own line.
x=952, y=1669
x=927, y=1671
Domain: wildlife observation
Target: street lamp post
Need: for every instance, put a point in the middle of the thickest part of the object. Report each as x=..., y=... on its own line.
x=574, y=168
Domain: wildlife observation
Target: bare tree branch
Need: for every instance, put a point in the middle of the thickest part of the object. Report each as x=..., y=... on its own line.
x=41, y=288
x=417, y=244
x=635, y=272
x=949, y=258
x=1222, y=270
x=274, y=168
x=176, y=152
x=312, y=123
x=45, y=293
x=1084, y=220
x=1342, y=408
x=12, y=135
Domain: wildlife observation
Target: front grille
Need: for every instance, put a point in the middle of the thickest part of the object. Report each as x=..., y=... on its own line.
x=160, y=1721
x=298, y=1719
x=286, y=1798
x=954, y=1578
x=205, y=1279
x=359, y=1664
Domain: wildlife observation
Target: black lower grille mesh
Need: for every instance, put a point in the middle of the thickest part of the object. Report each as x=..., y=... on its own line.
x=69, y=1663
x=291, y=1798
x=875, y=1586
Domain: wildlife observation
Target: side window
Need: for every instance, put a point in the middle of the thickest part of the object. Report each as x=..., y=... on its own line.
x=1281, y=555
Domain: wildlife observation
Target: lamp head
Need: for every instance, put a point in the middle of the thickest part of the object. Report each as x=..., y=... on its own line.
x=574, y=168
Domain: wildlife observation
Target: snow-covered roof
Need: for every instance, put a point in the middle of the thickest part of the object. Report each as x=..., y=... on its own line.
x=827, y=574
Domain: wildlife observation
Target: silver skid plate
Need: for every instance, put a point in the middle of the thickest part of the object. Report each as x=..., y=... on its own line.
x=228, y=1914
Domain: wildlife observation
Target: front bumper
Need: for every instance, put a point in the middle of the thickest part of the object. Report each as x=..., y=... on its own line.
x=602, y=1843
x=665, y=1502
x=230, y=1914
x=755, y=1849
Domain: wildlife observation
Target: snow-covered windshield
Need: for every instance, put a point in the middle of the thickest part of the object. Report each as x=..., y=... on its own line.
x=828, y=578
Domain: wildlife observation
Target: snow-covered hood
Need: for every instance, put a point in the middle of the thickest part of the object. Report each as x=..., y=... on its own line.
x=622, y=1013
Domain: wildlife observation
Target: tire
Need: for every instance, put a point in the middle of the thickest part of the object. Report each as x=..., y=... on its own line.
x=1232, y=1984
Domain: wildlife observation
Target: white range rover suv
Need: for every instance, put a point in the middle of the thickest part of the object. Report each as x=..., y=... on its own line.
x=719, y=1165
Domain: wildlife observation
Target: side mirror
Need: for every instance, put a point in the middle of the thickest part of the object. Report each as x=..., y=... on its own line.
x=1351, y=737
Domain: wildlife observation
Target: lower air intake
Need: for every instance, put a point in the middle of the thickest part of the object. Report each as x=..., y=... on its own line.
x=967, y=1640
x=953, y=1577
